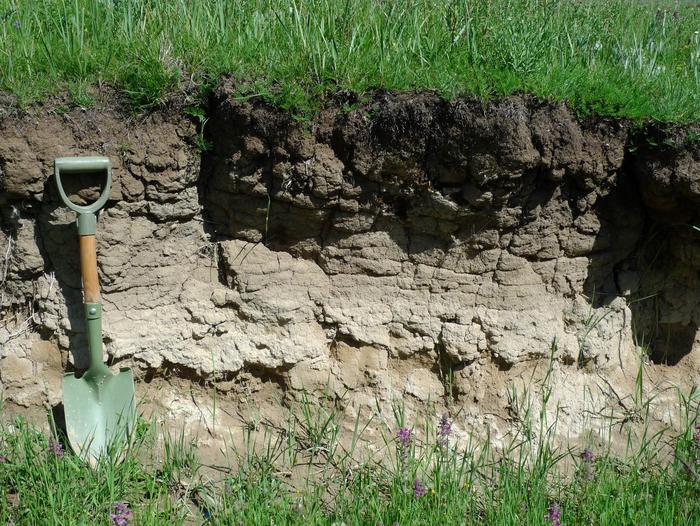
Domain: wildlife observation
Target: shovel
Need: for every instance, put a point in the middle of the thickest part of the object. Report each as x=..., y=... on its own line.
x=99, y=406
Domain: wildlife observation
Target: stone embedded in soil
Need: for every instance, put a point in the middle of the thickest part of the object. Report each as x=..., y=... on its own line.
x=372, y=251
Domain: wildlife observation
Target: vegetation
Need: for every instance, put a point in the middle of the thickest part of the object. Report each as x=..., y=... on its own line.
x=633, y=59
x=305, y=472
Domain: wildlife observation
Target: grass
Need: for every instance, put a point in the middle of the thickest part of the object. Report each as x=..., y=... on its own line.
x=634, y=59
x=305, y=472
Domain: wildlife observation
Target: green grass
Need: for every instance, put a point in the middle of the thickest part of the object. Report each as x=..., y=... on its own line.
x=307, y=472
x=615, y=57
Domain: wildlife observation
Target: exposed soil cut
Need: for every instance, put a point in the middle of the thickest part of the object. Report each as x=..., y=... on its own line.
x=409, y=249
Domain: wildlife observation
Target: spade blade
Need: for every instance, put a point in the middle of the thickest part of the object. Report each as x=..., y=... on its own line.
x=100, y=412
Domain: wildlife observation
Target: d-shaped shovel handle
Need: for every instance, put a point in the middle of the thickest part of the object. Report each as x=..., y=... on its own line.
x=77, y=165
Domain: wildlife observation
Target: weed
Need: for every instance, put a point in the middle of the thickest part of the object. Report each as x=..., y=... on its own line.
x=199, y=114
x=79, y=95
x=691, y=137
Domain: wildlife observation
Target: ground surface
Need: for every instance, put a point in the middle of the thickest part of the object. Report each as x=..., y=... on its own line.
x=311, y=472
x=633, y=59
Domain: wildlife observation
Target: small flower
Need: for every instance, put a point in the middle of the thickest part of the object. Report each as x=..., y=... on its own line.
x=121, y=515
x=419, y=489
x=404, y=435
x=588, y=458
x=16, y=24
x=444, y=426
x=3, y=459
x=553, y=514
x=444, y=430
x=597, y=46
x=56, y=448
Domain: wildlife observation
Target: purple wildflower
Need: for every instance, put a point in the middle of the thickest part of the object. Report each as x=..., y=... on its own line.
x=56, y=448
x=419, y=490
x=553, y=514
x=444, y=426
x=404, y=435
x=696, y=435
x=588, y=458
x=3, y=459
x=444, y=430
x=16, y=24
x=121, y=515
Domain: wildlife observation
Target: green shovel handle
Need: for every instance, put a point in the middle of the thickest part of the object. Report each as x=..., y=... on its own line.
x=73, y=165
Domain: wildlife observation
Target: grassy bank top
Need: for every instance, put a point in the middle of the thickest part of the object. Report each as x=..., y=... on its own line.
x=617, y=57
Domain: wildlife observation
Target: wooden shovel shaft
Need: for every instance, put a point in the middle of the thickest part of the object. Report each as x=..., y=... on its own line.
x=88, y=269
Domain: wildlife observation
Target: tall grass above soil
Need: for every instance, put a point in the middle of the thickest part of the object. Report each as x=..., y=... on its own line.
x=618, y=57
